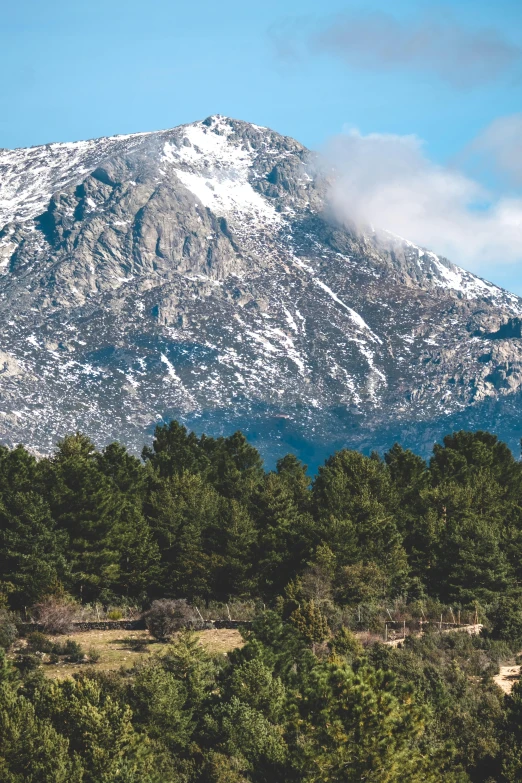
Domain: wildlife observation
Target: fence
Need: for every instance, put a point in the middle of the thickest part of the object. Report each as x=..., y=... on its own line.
x=473, y=629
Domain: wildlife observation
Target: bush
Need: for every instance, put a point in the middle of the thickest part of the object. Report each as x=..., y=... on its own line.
x=166, y=616
x=346, y=643
x=8, y=632
x=93, y=655
x=55, y=616
x=39, y=642
x=114, y=614
x=27, y=662
x=73, y=650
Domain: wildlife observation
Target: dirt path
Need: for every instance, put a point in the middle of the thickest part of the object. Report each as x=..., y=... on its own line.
x=473, y=630
x=508, y=676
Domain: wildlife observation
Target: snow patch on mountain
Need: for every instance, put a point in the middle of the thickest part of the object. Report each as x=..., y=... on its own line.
x=30, y=176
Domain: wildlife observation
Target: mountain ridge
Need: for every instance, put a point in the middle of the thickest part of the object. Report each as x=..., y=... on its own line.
x=196, y=272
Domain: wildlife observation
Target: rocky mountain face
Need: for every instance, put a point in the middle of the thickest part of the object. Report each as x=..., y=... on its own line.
x=196, y=273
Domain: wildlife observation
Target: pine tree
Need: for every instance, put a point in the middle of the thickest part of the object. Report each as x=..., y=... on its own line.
x=310, y=622
x=85, y=505
x=230, y=542
x=175, y=450
x=281, y=548
x=136, y=570
x=236, y=467
x=32, y=550
x=181, y=511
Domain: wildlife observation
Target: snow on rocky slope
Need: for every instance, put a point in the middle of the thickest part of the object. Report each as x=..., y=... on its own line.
x=195, y=273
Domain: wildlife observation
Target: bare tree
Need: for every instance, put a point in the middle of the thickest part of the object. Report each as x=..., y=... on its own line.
x=55, y=616
x=166, y=616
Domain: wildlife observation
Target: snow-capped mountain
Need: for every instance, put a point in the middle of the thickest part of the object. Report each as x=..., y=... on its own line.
x=196, y=273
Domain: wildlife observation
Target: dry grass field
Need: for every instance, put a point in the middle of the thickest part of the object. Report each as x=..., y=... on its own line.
x=124, y=648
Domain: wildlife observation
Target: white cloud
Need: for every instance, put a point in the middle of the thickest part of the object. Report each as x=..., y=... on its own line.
x=387, y=181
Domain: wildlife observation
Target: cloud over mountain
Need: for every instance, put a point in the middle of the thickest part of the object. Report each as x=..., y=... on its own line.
x=389, y=181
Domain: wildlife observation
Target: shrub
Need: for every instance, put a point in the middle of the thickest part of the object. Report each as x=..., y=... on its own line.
x=166, y=616
x=93, y=654
x=39, y=642
x=346, y=643
x=55, y=616
x=73, y=650
x=27, y=662
x=8, y=632
x=114, y=614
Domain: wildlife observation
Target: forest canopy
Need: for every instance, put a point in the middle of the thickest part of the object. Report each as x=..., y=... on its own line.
x=199, y=518
x=198, y=522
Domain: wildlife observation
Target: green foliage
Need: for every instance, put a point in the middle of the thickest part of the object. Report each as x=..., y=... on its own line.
x=270, y=711
x=345, y=644
x=362, y=583
x=93, y=654
x=31, y=749
x=8, y=631
x=360, y=727
x=39, y=642
x=512, y=737
x=159, y=702
x=506, y=622
x=98, y=729
x=199, y=519
x=32, y=549
x=354, y=496
x=310, y=622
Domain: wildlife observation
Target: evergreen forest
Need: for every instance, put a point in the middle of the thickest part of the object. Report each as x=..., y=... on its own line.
x=325, y=563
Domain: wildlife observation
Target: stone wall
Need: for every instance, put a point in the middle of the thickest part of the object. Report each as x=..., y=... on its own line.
x=132, y=625
x=98, y=625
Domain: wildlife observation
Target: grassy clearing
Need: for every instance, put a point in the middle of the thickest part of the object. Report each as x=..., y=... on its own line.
x=124, y=648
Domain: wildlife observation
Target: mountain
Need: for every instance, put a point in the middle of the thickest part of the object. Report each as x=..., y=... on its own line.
x=197, y=273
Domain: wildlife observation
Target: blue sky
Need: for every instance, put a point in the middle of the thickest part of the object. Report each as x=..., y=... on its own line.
x=86, y=69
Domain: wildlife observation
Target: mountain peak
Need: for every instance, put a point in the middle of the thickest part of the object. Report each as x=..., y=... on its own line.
x=194, y=272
